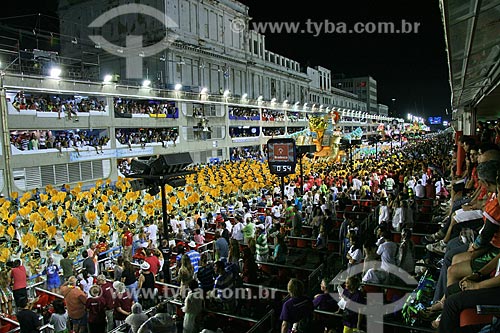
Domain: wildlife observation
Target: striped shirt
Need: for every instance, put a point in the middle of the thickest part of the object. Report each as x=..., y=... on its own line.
x=261, y=245
x=194, y=256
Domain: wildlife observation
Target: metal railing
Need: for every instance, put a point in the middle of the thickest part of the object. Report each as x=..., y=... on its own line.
x=266, y=324
x=314, y=280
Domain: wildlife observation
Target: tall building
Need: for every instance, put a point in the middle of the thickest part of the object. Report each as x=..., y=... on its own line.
x=205, y=44
x=365, y=87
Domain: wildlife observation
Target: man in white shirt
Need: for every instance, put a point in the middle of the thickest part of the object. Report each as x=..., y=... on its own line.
x=356, y=183
x=420, y=190
x=152, y=231
x=247, y=215
x=237, y=232
x=384, y=216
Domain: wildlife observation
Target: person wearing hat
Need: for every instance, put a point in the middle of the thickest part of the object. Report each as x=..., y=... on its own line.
x=136, y=318
x=194, y=256
x=107, y=293
x=146, y=286
x=76, y=301
x=122, y=305
x=153, y=261
x=161, y=322
x=96, y=307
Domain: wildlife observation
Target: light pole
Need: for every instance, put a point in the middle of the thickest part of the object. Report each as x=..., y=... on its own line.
x=394, y=107
x=302, y=151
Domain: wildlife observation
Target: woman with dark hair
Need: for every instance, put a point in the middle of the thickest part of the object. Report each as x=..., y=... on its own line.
x=129, y=279
x=249, y=272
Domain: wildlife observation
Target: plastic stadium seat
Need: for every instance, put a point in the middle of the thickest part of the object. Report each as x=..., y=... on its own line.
x=469, y=317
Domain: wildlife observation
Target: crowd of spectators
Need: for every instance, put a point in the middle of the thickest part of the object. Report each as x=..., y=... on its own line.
x=123, y=106
x=397, y=180
x=273, y=131
x=237, y=132
x=237, y=113
x=136, y=136
x=61, y=140
x=241, y=153
x=272, y=115
x=291, y=130
x=57, y=103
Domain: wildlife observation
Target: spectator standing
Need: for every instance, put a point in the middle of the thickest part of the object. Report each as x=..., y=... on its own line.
x=59, y=319
x=297, y=311
x=52, y=273
x=351, y=319
x=324, y=301
x=29, y=321
x=88, y=263
x=221, y=246
x=161, y=322
x=205, y=274
x=127, y=239
x=76, y=301
x=153, y=261
x=122, y=304
x=67, y=266
x=118, y=269
x=262, y=249
x=192, y=308
x=107, y=293
x=250, y=269
x=96, y=307
x=146, y=286
x=19, y=284
x=136, y=318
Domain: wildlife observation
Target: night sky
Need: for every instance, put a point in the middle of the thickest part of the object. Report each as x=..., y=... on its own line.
x=412, y=68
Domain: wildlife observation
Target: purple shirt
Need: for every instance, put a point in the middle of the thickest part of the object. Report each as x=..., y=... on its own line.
x=296, y=309
x=350, y=318
x=324, y=302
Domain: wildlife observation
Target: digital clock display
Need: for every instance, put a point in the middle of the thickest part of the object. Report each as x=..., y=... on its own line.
x=281, y=156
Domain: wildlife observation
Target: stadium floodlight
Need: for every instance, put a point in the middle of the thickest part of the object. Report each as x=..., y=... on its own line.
x=55, y=72
x=108, y=78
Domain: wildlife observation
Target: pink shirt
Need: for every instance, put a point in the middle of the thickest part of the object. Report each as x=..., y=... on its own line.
x=18, y=275
x=199, y=239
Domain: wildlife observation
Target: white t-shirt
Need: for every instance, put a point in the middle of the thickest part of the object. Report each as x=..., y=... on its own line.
x=387, y=252
x=153, y=232
x=174, y=224
x=237, y=231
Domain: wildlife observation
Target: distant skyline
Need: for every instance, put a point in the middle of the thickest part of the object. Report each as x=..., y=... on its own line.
x=410, y=68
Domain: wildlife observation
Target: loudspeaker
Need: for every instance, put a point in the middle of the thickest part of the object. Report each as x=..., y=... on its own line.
x=169, y=164
x=176, y=182
x=138, y=166
x=139, y=185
